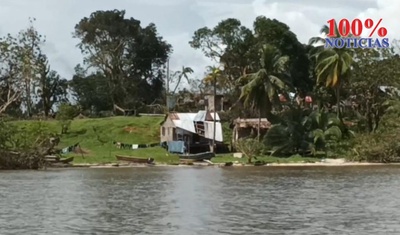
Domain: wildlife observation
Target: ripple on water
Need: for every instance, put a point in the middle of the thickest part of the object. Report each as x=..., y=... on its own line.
x=350, y=200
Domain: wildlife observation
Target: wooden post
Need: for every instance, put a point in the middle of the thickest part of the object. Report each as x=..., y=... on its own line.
x=215, y=114
x=167, y=86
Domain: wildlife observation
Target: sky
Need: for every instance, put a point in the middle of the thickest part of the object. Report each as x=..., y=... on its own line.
x=176, y=21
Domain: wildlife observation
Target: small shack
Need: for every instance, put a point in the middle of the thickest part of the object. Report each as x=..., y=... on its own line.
x=195, y=129
x=243, y=128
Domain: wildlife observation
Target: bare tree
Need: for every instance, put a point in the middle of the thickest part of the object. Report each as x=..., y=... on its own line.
x=10, y=72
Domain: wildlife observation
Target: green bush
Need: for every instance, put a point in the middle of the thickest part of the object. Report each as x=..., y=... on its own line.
x=377, y=147
x=249, y=147
x=66, y=112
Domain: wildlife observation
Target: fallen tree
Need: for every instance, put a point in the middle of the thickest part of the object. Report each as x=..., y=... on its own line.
x=22, y=148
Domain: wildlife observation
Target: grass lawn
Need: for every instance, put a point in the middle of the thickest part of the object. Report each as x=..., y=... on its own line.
x=98, y=144
x=96, y=136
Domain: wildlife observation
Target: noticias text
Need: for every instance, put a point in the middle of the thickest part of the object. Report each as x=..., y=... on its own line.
x=356, y=42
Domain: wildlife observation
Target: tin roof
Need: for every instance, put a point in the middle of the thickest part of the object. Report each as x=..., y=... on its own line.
x=186, y=121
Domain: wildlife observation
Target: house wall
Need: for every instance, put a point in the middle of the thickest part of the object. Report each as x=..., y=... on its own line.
x=167, y=130
x=183, y=135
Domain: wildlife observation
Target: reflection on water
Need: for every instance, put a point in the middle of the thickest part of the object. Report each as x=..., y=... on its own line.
x=183, y=200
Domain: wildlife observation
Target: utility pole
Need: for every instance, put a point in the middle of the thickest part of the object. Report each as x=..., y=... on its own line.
x=215, y=112
x=167, y=86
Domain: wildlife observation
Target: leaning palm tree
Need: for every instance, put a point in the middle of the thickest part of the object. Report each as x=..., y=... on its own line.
x=332, y=64
x=262, y=88
x=182, y=74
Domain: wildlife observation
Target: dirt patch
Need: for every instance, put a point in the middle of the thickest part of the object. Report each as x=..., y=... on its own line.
x=130, y=129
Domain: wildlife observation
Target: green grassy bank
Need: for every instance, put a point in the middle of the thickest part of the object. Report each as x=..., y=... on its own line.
x=96, y=136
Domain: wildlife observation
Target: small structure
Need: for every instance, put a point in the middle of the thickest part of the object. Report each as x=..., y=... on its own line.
x=218, y=105
x=243, y=128
x=195, y=129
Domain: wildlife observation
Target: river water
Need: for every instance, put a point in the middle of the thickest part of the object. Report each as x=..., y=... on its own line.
x=203, y=200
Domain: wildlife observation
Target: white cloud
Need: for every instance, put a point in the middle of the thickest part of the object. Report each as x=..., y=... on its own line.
x=176, y=21
x=387, y=10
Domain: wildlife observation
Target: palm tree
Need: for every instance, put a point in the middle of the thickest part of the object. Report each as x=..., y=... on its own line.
x=301, y=131
x=262, y=88
x=213, y=75
x=332, y=64
x=182, y=74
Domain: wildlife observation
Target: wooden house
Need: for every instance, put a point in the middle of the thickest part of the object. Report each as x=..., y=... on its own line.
x=195, y=129
x=243, y=128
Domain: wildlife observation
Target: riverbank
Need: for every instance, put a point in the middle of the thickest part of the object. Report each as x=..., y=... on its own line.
x=95, y=137
x=327, y=163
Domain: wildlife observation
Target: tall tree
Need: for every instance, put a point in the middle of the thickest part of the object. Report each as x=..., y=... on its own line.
x=10, y=72
x=229, y=43
x=50, y=87
x=333, y=65
x=236, y=48
x=129, y=56
x=30, y=42
x=91, y=92
x=214, y=73
x=374, y=85
x=278, y=34
x=263, y=87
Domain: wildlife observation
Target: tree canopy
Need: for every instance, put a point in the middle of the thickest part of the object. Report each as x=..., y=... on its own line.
x=131, y=57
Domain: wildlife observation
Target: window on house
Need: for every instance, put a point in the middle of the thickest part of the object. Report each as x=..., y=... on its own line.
x=163, y=131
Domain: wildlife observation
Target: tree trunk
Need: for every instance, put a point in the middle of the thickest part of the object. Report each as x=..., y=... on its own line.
x=46, y=106
x=338, y=101
x=249, y=160
x=46, y=111
x=259, y=126
x=28, y=101
x=167, y=86
x=215, y=115
x=369, y=116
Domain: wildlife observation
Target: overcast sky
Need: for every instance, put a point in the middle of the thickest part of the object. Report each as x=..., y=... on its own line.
x=176, y=21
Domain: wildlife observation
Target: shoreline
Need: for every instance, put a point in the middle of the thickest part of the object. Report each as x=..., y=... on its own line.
x=202, y=164
x=218, y=165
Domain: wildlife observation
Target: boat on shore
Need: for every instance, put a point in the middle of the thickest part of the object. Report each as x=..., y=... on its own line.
x=66, y=160
x=198, y=156
x=134, y=159
x=56, y=159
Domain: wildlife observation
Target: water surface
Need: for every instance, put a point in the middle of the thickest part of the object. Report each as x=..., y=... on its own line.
x=204, y=200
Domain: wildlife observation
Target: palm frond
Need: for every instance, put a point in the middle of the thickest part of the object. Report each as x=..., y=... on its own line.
x=316, y=40
x=324, y=29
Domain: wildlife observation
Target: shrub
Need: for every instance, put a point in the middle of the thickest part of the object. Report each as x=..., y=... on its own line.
x=377, y=147
x=66, y=112
x=249, y=147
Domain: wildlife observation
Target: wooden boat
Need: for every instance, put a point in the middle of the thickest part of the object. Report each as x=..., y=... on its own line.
x=198, y=156
x=134, y=159
x=66, y=160
x=57, y=159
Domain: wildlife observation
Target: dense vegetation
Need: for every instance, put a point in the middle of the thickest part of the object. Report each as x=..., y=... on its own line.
x=334, y=102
